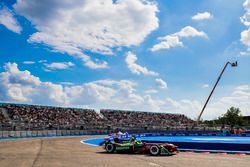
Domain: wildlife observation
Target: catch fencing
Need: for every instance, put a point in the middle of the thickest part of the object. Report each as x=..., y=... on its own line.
x=49, y=133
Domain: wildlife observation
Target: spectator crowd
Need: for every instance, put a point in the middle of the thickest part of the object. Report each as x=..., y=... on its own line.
x=35, y=117
x=2, y=118
x=145, y=120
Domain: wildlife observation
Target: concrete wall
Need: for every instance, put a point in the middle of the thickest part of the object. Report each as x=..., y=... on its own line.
x=7, y=134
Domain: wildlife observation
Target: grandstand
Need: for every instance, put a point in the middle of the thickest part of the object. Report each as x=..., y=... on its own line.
x=2, y=118
x=144, y=120
x=36, y=117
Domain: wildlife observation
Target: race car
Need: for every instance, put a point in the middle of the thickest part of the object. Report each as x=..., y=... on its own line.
x=137, y=146
x=116, y=135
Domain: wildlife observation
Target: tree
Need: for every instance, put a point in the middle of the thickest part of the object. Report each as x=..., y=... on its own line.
x=232, y=117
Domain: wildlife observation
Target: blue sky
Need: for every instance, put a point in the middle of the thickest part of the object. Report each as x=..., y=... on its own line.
x=160, y=56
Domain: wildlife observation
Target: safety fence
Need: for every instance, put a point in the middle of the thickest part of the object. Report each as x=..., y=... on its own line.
x=48, y=133
x=43, y=133
x=51, y=133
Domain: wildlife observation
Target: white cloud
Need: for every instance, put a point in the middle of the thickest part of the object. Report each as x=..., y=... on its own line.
x=136, y=68
x=244, y=53
x=66, y=83
x=160, y=83
x=98, y=26
x=29, y=62
x=93, y=65
x=42, y=61
x=202, y=16
x=59, y=65
x=239, y=97
x=151, y=91
x=205, y=85
x=245, y=19
x=167, y=42
x=174, y=40
x=245, y=35
x=19, y=77
x=21, y=86
x=189, y=31
x=16, y=84
x=8, y=20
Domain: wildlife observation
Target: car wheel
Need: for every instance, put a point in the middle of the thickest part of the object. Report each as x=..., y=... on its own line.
x=154, y=150
x=110, y=148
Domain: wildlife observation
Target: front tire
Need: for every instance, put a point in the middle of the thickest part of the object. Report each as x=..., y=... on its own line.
x=154, y=150
x=110, y=148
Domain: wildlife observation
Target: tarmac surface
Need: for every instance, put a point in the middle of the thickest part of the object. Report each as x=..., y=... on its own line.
x=69, y=152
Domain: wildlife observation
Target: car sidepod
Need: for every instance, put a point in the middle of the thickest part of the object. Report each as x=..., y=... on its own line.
x=168, y=149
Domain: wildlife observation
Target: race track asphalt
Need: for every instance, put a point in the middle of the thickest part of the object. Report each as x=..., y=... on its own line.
x=69, y=152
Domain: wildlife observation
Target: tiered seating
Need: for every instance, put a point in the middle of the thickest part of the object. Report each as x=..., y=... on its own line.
x=2, y=118
x=144, y=119
x=35, y=117
x=43, y=117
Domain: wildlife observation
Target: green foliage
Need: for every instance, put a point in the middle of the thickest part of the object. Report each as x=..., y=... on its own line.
x=232, y=117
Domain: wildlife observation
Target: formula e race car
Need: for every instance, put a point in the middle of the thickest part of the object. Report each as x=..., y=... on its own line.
x=137, y=146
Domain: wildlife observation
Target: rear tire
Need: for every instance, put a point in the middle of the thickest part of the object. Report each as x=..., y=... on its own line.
x=110, y=148
x=154, y=150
